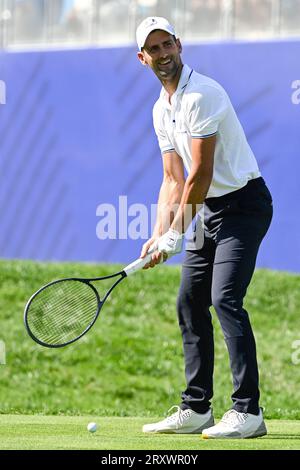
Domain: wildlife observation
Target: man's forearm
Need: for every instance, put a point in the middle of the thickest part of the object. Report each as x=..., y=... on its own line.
x=170, y=196
x=194, y=194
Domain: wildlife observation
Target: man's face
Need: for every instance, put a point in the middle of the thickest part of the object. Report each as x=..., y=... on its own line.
x=162, y=53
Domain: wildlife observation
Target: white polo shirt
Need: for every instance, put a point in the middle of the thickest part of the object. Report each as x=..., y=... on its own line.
x=200, y=108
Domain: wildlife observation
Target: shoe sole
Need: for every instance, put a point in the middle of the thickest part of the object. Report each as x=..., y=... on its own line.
x=261, y=431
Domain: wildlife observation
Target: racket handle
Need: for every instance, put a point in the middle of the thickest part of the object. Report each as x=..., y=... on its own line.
x=140, y=262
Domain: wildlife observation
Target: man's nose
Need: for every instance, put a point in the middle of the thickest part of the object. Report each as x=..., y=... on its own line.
x=163, y=53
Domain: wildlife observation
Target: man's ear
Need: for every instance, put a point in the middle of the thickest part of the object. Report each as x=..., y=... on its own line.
x=178, y=43
x=141, y=58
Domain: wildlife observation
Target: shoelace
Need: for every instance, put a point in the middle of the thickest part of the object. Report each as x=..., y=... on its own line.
x=179, y=416
x=233, y=417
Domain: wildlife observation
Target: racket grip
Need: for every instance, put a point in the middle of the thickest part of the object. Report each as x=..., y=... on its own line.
x=140, y=262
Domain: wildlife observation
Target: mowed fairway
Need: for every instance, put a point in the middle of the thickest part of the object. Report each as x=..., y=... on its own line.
x=129, y=369
x=66, y=432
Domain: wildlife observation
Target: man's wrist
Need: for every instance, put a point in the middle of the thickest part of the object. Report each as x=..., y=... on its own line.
x=178, y=226
x=175, y=232
x=157, y=234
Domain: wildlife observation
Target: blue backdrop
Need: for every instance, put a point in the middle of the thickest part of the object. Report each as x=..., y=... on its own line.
x=76, y=132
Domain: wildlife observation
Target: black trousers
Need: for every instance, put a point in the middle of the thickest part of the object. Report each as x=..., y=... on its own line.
x=218, y=274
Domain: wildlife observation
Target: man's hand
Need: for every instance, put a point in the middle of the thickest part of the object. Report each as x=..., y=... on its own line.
x=167, y=245
x=156, y=257
x=170, y=243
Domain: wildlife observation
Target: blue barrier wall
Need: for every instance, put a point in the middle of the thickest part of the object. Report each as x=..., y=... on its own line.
x=76, y=132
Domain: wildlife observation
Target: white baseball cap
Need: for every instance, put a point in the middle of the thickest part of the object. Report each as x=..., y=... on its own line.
x=150, y=24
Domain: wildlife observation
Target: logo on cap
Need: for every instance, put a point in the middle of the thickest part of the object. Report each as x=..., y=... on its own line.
x=150, y=22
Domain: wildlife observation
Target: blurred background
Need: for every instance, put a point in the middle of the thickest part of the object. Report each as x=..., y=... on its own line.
x=28, y=22
x=76, y=127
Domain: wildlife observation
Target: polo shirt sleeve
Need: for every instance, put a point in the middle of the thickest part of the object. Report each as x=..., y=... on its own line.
x=164, y=142
x=207, y=110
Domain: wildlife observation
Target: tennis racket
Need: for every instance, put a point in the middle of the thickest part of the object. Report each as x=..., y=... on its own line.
x=64, y=310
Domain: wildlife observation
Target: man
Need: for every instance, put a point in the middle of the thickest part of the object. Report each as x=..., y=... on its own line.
x=197, y=128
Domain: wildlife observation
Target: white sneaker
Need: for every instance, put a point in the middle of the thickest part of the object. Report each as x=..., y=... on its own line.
x=237, y=425
x=182, y=422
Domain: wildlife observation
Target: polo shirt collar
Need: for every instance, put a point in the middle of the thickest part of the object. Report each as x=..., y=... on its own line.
x=183, y=81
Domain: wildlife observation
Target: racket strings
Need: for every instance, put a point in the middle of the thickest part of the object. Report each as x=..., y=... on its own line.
x=62, y=311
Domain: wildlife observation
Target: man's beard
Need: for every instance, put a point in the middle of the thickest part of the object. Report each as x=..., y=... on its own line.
x=167, y=72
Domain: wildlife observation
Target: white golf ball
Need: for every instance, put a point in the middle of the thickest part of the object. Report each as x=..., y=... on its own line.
x=92, y=427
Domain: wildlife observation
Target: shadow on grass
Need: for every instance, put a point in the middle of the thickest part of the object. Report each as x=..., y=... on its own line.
x=282, y=436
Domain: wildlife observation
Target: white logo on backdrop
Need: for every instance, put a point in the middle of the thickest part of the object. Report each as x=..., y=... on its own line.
x=296, y=94
x=2, y=92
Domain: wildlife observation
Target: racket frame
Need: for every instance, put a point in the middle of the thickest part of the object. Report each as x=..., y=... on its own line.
x=127, y=271
x=100, y=303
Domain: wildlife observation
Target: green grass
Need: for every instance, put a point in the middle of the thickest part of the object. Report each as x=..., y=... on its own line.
x=131, y=362
x=66, y=432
